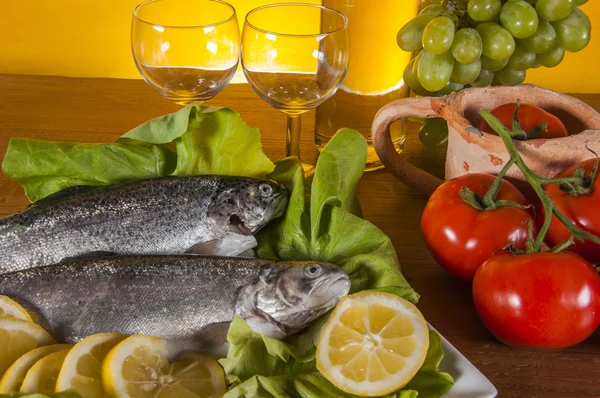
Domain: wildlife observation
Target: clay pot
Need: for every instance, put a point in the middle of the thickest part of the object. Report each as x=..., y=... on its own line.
x=471, y=151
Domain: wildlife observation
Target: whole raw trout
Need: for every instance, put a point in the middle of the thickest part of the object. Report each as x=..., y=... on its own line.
x=175, y=297
x=201, y=214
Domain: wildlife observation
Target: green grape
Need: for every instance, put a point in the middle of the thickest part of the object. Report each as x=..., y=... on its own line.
x=509, y=77
x=553, y=10
x=551, y=58
x=433, y=132
x=409, y=77
x=536, y=65
x=484, y=10
x=519, y=18
x=492, y=64
x=573, y=33
x=521, y=59
x=451, y=87
x=542, y=40
x=578, y=3
x=485, y=79
x=467, y=46
x=434, y=70
x=498, y=43
x=466, y=73
x=410, y=36
x=438, y=35
x=434, y=9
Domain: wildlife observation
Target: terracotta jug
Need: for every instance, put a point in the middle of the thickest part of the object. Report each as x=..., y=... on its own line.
x=471, y=151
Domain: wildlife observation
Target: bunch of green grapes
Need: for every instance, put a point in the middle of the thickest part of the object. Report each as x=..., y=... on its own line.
x=462, y=43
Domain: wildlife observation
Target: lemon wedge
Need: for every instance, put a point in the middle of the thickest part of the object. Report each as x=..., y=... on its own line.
x=81, y=370
x=41, y=378
x=13, y=377
x=373, y=344
x=138, y=368
x=18, y=337
x=9, y=307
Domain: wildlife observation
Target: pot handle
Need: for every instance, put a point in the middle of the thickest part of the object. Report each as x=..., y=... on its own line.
x=412, y=176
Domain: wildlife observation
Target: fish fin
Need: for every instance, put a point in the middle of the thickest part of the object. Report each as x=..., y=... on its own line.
x=65, y=193
x=210, y=340
x=204, y=247
x=230, y=245
x=88, y=256
x=213, y=335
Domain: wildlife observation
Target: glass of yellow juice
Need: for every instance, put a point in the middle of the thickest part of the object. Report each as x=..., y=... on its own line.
x=375, y=69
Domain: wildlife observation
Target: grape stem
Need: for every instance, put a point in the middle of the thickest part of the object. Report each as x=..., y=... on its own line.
x=537, y=183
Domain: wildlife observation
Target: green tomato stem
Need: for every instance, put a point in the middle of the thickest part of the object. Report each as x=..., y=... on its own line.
x=489, y=199
x=536, y=183
x=563, y=245
x=471, y=198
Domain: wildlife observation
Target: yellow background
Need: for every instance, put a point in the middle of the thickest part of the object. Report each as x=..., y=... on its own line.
x=91, y=38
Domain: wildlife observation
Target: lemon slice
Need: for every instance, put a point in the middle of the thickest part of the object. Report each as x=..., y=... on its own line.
x=82, y=366
x=137, y=368
x=41, y=378
x=373, y=344
x=18, y=337
x=10, y=307
x=13, y=377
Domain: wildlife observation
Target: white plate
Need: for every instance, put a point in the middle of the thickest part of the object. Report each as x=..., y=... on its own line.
x=469, y=382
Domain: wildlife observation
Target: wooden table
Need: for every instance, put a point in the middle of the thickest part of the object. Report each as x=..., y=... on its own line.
x=100, y=110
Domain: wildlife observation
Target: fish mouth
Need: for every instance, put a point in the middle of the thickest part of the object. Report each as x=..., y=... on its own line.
x=341, y=284
x=236, y=225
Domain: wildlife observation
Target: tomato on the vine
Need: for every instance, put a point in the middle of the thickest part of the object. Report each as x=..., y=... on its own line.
x=460, y=236
x=529, y=117
x=583, y=210
x=539, y=300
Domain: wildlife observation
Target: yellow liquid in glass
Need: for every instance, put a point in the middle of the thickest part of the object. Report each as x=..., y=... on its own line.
x=375, y=71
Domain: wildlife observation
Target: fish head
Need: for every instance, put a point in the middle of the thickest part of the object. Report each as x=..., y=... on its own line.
x=292, y=296
x=245, y=205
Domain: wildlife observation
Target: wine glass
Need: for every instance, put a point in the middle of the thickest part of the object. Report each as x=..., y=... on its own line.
x=294, y=56
x=187, y=50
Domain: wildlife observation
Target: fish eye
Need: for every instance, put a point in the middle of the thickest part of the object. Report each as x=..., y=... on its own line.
x=265, y=189
x=314, y=270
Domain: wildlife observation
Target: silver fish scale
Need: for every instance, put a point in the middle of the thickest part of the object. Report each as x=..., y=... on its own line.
x=146, y=217
x=171, y=297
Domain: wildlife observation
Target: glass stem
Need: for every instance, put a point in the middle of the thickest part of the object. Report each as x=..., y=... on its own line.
x=293, y=136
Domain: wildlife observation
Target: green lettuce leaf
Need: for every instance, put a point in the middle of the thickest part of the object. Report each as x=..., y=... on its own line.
x=193, y=140
x=43, y=167
x=268, y=368
x=208, y=140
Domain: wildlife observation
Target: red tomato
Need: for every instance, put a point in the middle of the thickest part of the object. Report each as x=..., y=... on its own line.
x=461, y=237
x=582, y=210
x=541, y=300
x=530, y=116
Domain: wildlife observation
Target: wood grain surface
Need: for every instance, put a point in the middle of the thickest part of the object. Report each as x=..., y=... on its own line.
x=100, y=110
